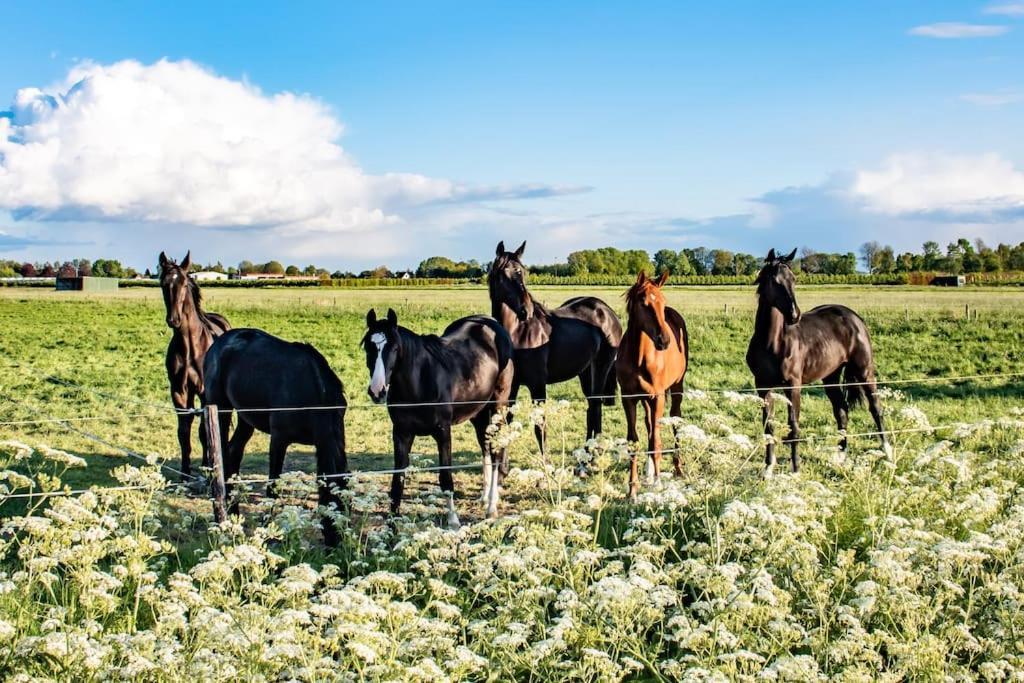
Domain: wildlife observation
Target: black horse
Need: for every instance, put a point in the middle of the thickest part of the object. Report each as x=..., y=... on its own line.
x=789, y=350
x=262, y=376
x=465, y=374
x=580, y=338
x=194, y=332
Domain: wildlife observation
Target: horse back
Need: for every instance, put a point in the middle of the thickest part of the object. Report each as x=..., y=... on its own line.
x=595, y=312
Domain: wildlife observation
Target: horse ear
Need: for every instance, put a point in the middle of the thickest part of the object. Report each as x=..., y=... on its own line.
x=641, y=276
x=186, y=262
x=392, y=317
x=520, y=250
x=501, y=248
x=371, y=317
x=163, y=260
x=789, y=259
x=770, y=257
x=663, y=279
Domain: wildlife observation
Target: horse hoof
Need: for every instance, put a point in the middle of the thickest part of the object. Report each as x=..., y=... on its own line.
x=453, y=522
x=768, y=471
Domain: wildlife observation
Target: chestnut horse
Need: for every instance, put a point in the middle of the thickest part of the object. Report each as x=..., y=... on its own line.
x=194, y=332
x=653, y=358
x=789, y=350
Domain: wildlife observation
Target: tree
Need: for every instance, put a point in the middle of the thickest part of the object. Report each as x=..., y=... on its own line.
x=932, y=257
x=722, y=262
x=292, y=271
x=273, y=268
x=67, y=269
x=48, y=270
x=309, y=270
x=246, y=267
x=869, y=252
x=28, y=270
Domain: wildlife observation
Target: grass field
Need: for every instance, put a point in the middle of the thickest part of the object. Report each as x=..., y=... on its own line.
x=115, y=345
x=717, y=574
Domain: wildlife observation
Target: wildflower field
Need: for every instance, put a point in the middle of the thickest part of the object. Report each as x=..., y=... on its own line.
x=906, y=564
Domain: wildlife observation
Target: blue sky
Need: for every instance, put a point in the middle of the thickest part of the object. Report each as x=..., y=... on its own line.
x=738, y=124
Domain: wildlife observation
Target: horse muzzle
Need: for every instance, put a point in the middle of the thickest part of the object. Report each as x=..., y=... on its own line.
x=794, y=316
x=660, y=343
x=380, y=397
x=173, y=322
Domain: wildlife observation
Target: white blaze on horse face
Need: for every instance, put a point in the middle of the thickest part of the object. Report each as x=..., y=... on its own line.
x=378, y=381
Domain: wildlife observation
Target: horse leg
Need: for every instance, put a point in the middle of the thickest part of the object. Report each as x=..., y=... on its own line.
x=629, y=407
x=590, y=387
x=403, y=444
x=539, y=394
x=443, y=437
x=480, y=422
x=840, y=409
x=769, y=431
x=676, y=410
x=875, y=406
x=278, y=448
x=182, y=401
x=330, y=462
x=793, y=394
x=653, y=410
x=233, y=451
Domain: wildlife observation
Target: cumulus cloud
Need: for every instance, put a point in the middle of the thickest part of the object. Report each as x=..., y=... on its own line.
x=173, y=142
x=953, y=29
x=956, y=187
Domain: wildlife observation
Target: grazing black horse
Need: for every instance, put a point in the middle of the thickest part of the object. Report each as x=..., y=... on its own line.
x=578, y=339
x=465, y=374
x=789, y=350
x=249, y=369
x=194, y=332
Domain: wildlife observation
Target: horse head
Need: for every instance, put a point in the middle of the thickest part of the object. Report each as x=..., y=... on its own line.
x=178, y=288
x=775, y=285
x=383, y=348
x=645, y=304
x=506, y=281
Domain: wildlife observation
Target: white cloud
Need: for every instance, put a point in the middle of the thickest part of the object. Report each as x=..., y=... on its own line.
x=993, y=99
x=982, y=187
x=1008, y=9
x=172, y=142
x=954, y=29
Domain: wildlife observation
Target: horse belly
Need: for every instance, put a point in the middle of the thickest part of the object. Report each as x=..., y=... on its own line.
x=568, y=360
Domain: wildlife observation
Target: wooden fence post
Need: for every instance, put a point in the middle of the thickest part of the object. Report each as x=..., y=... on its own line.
x=220, y=510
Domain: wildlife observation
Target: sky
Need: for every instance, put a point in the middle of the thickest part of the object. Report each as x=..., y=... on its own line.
x=356, y=134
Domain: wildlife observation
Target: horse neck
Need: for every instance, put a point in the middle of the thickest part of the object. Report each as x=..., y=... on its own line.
x=769, y=326
x=195, y=328
x=413, y=353
x=508, y=318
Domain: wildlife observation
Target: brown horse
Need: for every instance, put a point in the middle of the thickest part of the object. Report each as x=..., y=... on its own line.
x=789, y=350
x=194, y=332
x=653, y=358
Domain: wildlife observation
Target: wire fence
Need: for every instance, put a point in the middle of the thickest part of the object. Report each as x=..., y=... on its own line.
x=69, y=424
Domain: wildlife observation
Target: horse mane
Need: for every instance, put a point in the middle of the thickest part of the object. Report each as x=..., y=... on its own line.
x=637, y=290
x=431, y=344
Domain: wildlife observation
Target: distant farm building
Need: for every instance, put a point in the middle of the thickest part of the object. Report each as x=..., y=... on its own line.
x=207, y=275
x=260, y=276
x=949, y=281
x=87, y=284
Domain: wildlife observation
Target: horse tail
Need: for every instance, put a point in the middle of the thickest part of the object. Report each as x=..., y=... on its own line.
x=610, y=381
x=854, y=386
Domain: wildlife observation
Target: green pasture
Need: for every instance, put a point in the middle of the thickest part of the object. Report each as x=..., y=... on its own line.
x=52, y=343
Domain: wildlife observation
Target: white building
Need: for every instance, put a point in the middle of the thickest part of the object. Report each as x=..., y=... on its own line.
x=208, y=275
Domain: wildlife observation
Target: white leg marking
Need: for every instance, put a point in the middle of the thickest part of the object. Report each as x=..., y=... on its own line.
x=492, y=503
x=453, y=518
x=485, y=488
x=650, y=469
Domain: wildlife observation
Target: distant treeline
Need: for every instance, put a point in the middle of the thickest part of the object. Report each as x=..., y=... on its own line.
x=959, y=257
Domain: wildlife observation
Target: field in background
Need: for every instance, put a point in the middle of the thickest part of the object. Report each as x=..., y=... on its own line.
x=114, y=345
